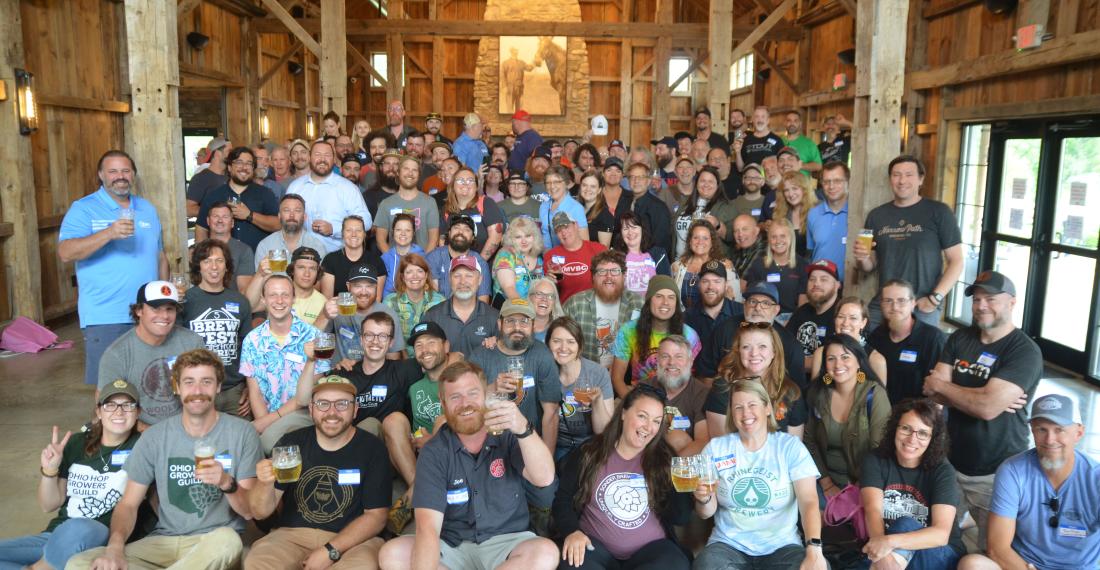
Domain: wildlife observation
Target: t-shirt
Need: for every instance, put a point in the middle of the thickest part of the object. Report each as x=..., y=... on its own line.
x=978, y=446
x=339, y=266
x=810, y=328
x=607, y=321
x=511, y=210
x=421, y=206
x=309, y=308
x=424, y=403
x=757, y=508
x=789, y=412
x=348, y=340
x=750, y=205
x=807, y=150
x=617, y=514
x=257, y=198
x=508, y=259
x=687, y=408
x=837, y=150
x=790, y=281
x=383, y=392
x=335, y=487
x=222, y=320
x=148, y=368
x=640, y=269
x=203, y=182
x=165, y=455
x=244, y=260
x=486, y=216
x=644, y=366
x=575, y=425
x=540, y=377
x=908, y=492
x=909, y=242
x=1022, y=492
x=908, y=361
x=755, y=149
x=392, y=260
x=576, y=267
x=93, y=484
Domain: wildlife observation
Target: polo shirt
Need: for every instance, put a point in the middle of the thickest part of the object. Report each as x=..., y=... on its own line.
x=480, y=496
x=568, y=205
x=827, y=234
x=439, y=260
x=108, y=279
x=465, y=337
x=259, y=200
x=908, y=361
x=523, y=148
x=471, y=152
x=698, y=319
x=331, y=200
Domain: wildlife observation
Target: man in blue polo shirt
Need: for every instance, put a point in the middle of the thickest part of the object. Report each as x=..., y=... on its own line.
x=115, y=240
x=827, y=222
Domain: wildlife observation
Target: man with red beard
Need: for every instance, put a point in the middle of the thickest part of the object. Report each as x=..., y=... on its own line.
x=601, y=310
x=385, y=182
x=813, y=322
x=469, y=484
x=348, y=534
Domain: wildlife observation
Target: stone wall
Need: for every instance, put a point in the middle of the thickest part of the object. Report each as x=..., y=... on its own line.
x=487, y=75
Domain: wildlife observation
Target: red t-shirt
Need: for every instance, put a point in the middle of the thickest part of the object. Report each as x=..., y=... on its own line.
x=576, y=266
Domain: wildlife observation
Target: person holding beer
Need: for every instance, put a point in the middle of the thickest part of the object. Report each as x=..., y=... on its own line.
x=766, y=479
x=202, y=506
x=625, y=465
x=587, y=398
x=336, y=481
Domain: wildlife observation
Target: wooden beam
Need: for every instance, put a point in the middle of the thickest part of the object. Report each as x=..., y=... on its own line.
x=1066, y=24
x=696, y=63
x=334, y=58
x=185, y=6
x=288, y=21
x=294, y=49
x=439, y=59
x=218, y=77
x=269, y=102
x=416, y=65
x=820, y=14
x=1086, y=104
x=818, y=98
x=916, y=58
x=626, y=88
x=252, y=69
x=778, y=70
x=940, y=9
x=762, y=30
x=849, y=6
x=362, y=61
x=395, y=54
x=88, y=103
x=1061, y=51
x=661, y=99
x=720, y=42
x=765, y=5
x=17, y=193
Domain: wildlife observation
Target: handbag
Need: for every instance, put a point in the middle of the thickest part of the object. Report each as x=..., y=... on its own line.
x=846, y=507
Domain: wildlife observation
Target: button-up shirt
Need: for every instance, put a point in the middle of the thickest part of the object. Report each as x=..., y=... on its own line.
x=331, y=200
x=276, y=367
x=827, y=234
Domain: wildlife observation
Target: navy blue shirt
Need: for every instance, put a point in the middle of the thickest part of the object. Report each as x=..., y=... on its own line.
x=259, y=200
x=523, y=148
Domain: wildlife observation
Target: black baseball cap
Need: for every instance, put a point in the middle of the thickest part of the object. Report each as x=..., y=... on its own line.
x=715, y=268
x=363, y=271
x=305, y=253
x=762, y=288
x=427, y=328
x=991, y=282
x=464, y=220
x=613, y=163
x=667, y=141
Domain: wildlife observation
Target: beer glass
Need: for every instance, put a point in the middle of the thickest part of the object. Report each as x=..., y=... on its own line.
x=324, y=346
x=866, y=238
x=492, y=400
x=126, y=214
x=708, y=475
x=182, y=283
x=278, y=260
x=204, y=450
x=234, y=200
x=585, y=391
x=515, y=370
x=287, y=461
x=685, y=474
x=346, y=303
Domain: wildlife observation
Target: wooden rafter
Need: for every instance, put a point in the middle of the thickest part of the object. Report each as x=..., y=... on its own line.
x=696, y=63
x=761, y=31
x=283, y=16
x=294, y=49
x=185, y=6
x=778, y=70
x=850, y=6
x=362, y=61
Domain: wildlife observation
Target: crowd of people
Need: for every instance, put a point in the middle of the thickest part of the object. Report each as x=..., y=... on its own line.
x=394, y=350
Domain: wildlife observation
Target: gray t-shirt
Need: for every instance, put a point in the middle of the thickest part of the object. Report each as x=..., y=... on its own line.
x=244, y=261
x=909, y=242
x=165, y=455
x=277, y=241
x=511, y=210
x=347, y=330
x=540, y=377
x=149, y=368
x=202, y=183
x=575, y=426
x=422, y=207
x=222, y=320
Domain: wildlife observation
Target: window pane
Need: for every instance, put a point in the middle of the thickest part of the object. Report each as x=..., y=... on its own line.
x=380, y=62
x=1069, y=283
x=1013, y=260
x=1077, y=210
x=1017, y=192
x=970, y=211
x=677, y=66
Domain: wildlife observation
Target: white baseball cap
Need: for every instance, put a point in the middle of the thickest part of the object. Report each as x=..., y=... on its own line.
x=599, y=125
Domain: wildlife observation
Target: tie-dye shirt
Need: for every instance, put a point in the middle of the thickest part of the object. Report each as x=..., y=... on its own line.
x=276, y=368
x=644, y=366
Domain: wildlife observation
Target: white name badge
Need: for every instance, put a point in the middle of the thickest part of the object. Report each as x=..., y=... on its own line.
x=557, y=258
x=908, y=356
x=295, y=358
x=756, y=211
x=347, y=477
x=379, y=391
x=458, y=496
x=821, y=331
x=681, y=422
x=1069, y=530
x=987, y=359
x=774, y=277
x=226, y=460
x=844, y=240
x=476, y=218
x=144, y=225
x=570, y=399
x=233, y=307
x=119, y=457
x=725, y=462
x=528, y=382
x=347, y=333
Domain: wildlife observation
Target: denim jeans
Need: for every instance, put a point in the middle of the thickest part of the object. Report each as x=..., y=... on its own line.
x=935, y=558
x=96, y=340
x=70, y=537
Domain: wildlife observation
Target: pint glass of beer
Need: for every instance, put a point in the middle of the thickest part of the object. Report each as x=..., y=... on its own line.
x=685, y=474
x=324, y=346
x=204, y=450
x=278, y=260
x=515, y=370
x=287, y=462
x=346, y=303
x=866, y=238
x=492, y=400
x=708, y=474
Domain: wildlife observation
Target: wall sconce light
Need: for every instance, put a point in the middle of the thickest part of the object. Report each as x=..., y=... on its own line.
x=25, y=104
x=265, y=124
x=294, y=68
x=197, y=40
x=311, y=127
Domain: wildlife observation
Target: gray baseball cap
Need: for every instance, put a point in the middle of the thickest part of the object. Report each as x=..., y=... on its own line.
x=1056, y=408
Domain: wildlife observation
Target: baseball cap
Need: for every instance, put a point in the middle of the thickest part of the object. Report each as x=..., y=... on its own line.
x=599, y=125
x=991, y=282
x=714, y=267
x=428, y=328
x=335, y=382
x=471, y=119
x=465, y=262
x=297, y=142
x=464, y=220
x=393, y=152
x=435, y=116
x=683, y=135
x=762, y=288
x=702, y=111
x=542, y=152
x=561, y=219
x=1056, y=408
x=362, y=271
x=753, y=166
x=521, y=115
x=516, y=177
x=117, y=387
x=307, y=253
x=437, y=144
x=352, y=157
x=788, y=150
x=823, y=265
x=613, y=163
x=661, y=282
x=667, y=141
x=616, y=143
x=517, y=307
x=157, y=294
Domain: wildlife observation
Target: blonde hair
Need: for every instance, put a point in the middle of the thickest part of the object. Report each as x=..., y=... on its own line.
x=757, y=389
x=809, y=197
x=356, y=140
x=792, y=256
x=555, y=309
x=523, y=225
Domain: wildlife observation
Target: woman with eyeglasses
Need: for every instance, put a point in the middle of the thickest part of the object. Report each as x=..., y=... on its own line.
x=849, y=409
x=82, y=479
x=519, y=262
x=765, y=482
x=601, y=220
x=558, y=180
x=517, y=200
x=587, y=396
x=703, y=246
x=781, y=267
x=757, y=354
x=413, y=294
x=615, y=506
x=543, y=296
x=851, y=320
x=463, y=199
x=644, y=261
x=910, y=494
x=705, y=203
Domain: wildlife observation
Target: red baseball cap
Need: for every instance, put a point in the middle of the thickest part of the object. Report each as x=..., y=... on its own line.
x=823, y=265
x=521, y=115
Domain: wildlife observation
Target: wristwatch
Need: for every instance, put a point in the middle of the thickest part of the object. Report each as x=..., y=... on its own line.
x=249, y=218
x=813, y=542
x=333, y=554
x=232, y=486
x=936, y=298
x=530, y=430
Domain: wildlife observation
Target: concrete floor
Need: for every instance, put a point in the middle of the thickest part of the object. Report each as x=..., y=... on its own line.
x=38, y=391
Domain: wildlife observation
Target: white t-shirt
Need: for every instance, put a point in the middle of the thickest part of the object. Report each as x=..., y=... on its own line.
x=757, y=508
x=607, y=322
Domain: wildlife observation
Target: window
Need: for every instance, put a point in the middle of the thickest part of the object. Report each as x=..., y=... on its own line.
x=741, y=73
x=677, y=66
x=379, y=60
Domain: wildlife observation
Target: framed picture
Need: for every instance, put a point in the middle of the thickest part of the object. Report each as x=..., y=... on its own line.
x=533, y=74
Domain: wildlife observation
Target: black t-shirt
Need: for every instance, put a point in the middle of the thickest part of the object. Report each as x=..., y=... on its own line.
x=912, y=492
x=258, y=199
x=755, y=149
x=732, y=185
x=222, y=319
x=335, y=487
x=485, y=217
x=338, y=265
x=908, y=361
x=837, y=150
x=978, y=446
x=716, y=140
x=790, y=281
x=810, y=328
x=373, y=197
x=791, y=412
x=706, y=364
x=603, y=222
x=909, y=241
x=384, y=392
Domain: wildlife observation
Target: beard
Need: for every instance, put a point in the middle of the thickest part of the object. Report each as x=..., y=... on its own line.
x=708, y=302
x=663, y=161
x=1052, y=464
x=120, y=187
x=387, y=181
x=465, y=425
x=437, y=359
x=611, y=297
x=329, y=430
x=464, y=295
x=321, y=168
x=674, y=382
x=292, y=227
x=518, y=344
x=459, y=243
x=260, y=173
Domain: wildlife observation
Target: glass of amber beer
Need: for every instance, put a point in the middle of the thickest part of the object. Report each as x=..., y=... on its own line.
x=287, y=461
x=278, y=260
x=204, y=450
x=685, y=474
x=346, y=304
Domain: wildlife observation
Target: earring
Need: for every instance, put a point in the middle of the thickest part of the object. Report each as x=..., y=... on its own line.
x=827, y=379
x=861, y=377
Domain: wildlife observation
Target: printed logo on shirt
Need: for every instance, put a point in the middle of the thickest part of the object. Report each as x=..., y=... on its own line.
x=320, y=495
x=187, y=493
x=806, y=335
x=157, y=398
x=496, y=468
x=624, y=499
x=904, y=501
x=976, y=369
x=219, y=331
x=751, y=493
x=92, y=494
x=414, y=212
x=900, y=232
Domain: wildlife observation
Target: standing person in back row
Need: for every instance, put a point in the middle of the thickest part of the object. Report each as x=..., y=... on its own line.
x=329, y=197
x=915, y=239
x=986, y=374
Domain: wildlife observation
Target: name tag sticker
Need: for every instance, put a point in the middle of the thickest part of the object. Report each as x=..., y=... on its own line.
x=119, y=457
x=821, y=331
x=295, y=358
x=458, y=496
x=347, y=333
x=144, y=225
x=756, y=211
x=476, y=218
x=233, y=307
x=528, y=382
x=557, y=258
x=570, y=398
x=379, y=391
x=725, y=462
x=908, y=356
x=225, y=459
x=681, y=422
x=844, y=240
x=987, y=359
x=347, y=477
x=773, y=277
x=1070, y=530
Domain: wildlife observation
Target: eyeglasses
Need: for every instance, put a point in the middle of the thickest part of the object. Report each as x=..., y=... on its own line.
x=112, y=407
x=517, y=321
x=922, y=434
x=240, y=162
x=340, y=405
x=1055, y=506
x=381, y=337
x=891, y=302
x=540, y=295
x=612, y=272
x=465, y=182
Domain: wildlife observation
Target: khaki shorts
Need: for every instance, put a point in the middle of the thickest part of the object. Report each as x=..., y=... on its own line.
x=485, y=556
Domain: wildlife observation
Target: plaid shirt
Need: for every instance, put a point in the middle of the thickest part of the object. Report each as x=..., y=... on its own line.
x=743, y=258
x=582, y=307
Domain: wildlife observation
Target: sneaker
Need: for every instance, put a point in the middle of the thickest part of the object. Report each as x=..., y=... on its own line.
x=400, y=515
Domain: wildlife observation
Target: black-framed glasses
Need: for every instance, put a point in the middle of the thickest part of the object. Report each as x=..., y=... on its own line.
x=908, y=430
x=767, y=304
x=1055, y=506
x=762, y=325
x=340, y=405
x=613, y=272
x=112, y=407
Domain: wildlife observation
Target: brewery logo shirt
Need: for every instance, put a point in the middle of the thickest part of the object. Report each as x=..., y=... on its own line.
x=618, y=514
x=221, y=319
x=384, y=392
x=94, y=483
x=149, y=368
x=335, y=487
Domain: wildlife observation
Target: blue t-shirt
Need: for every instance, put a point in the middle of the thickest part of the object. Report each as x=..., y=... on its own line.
x=827, y=234
x=392, y=260
x=1021, y=491
x=568, y=205
x=109, y=278
x=757, y=508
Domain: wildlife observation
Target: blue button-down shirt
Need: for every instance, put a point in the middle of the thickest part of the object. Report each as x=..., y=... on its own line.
x=827, y=234
x=331, y=200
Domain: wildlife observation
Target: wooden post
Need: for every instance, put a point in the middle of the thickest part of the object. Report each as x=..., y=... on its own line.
x=660, y=72
x=916, y=59
x=252, y=74
x=721, y=47
x=626, y=91
x=395, y=56
x=439, y=59
x=876, y=136
x=334, y=58
x=154, y=132
x=20, y=249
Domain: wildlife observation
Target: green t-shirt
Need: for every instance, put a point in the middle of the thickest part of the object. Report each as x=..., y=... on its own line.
x=424, y=399
x=807, y=150
x=93, y=484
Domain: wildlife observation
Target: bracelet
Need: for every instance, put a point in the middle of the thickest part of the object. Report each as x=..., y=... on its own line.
x=48, y=475
x=278, y=413
x=706, y=502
